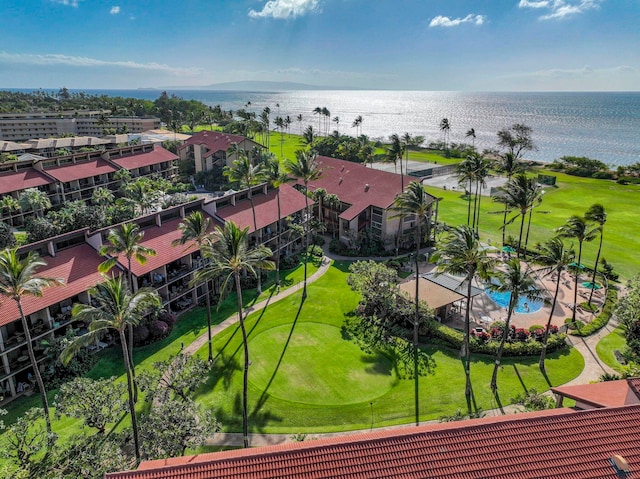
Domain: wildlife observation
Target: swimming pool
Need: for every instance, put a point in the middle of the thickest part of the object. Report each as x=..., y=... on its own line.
x=502, y=300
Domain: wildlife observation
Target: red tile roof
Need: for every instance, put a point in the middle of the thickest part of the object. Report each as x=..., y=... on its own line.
x=158, y=155
x=349, y=182
x=554, y=444
x=77, y=266
x=20, y=180
x=160, y=239
x=78, y=171
x=214, y=141
x=291, y=201
x=605, y=394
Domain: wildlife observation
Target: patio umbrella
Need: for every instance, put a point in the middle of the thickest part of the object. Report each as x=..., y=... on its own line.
x=591, y=285
x=576, y=265
x=508, y=249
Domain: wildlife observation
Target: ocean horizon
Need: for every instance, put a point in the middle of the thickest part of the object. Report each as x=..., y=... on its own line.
x=599, y=125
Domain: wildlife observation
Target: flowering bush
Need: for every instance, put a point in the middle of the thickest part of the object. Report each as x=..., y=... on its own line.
x=521, y=334
x=140, y=334
x=158, y=329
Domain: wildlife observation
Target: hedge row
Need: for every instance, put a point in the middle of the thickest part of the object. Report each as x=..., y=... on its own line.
x=602, y=319
x=530, y=347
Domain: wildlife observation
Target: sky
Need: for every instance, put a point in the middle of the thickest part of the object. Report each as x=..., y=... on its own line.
x=463, y=45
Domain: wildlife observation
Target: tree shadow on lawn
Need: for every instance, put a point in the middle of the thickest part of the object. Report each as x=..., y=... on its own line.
x=222, y=370
x=232, y=421
x=264, y=395
x=380, y=364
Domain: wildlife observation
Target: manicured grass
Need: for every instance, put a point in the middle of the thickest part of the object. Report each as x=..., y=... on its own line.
x=610, y=343
x=305, y=377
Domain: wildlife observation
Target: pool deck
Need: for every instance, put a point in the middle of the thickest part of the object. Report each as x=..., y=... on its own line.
x=484, y=311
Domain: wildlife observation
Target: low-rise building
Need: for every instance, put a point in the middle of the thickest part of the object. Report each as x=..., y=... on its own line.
x=209, y=149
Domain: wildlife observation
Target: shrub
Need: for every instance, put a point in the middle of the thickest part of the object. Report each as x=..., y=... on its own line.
x=338, y=247
x=289, y=262
x=602, y=319
x=140, y=334
x=7, y=239
x=315, y=251
x=318, y=240
x=169, y=318
x=534, y=327
x=158, y=329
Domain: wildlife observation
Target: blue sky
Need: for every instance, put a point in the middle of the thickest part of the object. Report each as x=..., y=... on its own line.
x=472, y=45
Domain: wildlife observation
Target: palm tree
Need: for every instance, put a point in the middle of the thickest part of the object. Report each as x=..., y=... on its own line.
x=18, y=278
x=9, y=204
x=318, y=111
x=518, y=282
x=407, y=140
x=280, y=124
x=579, y=228
x=305, y=168
x=125, y=241
x=509, y=165
x=357, y=124
x=471, y=133
x=395, y=152
x=308, y=136
x=327, y=116
x=596, y=214
x=32, y=199
x=194, y=228
x=555, y=258
x=265, y=120
x=465, y=173
x=114, y=307
x=414, y=202
x=141, y=194
x=445, y=128
x=248, y=176
x=460, y=254
x=336, y=120
x=300, y=119
x=481, y=171
x=229, y=255
x=277, y=176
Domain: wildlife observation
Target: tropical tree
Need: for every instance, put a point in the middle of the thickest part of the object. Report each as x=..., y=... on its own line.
x=460, y=253
x=596, y=214
x=277, y=176
x=305, y=168
x=308, y=136
x=32, y=199
x=336, y=120
x=466, y=174
x=580, y=229
x=279, y=122
x=516, y=140
x=519, y=282
x=19, y=278
x=481, y=172
x=300, y=119
x=266, y=128
x=327, y=116
x=229, y=255
x=395, y=152
x=125, y=241
x=471, y=133
x=247, y=176
x=102, y=197
x=9, y=204
x=508, y=164
x=445, y=128
x=357, y=124
x=114, y=307
x=555, y=258
x=414, y=202
x=142, y=193
x=318, y=111
x=195, y=228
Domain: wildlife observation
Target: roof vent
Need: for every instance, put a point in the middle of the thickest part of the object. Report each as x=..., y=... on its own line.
x=340, y=181
x=620, y=465
x=342, y=169
x=366, y=187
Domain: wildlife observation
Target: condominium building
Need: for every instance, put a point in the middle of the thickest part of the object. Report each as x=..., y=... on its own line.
x=209, y=149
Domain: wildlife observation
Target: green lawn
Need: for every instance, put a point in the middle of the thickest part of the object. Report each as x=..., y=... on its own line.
x=304, y=377
x=610, y=343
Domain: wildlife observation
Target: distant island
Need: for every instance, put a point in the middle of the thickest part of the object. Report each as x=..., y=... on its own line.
x=250, y=85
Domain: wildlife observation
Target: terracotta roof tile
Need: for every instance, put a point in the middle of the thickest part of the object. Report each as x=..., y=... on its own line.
x=20, y=180
x=291, y=201
x=157, y=155
x=550, y=444
x=78, y=171
x=349, y=180
x=214, y=141
x=77, y=266
x=604, y=394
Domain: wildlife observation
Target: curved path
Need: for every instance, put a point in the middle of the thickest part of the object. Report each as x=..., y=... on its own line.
x=592, y=371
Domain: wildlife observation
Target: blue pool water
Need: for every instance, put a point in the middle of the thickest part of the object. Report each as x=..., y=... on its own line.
x=502, y=300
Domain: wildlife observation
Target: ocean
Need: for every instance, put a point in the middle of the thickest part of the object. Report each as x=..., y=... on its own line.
x=599, y=125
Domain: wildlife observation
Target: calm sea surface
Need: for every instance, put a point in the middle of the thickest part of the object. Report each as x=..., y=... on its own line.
x=603, y=126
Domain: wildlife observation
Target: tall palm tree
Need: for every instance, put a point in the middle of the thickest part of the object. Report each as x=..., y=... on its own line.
x=194, y=228
x=318, y=111
x=481, y=172
x=471, y=133
x=395, y=152
x=125, y=241
x=415, y=202
x=327, y=116
x=280, y=124
x=579, y=228
x=510, y=165
x=300, y=119
x=445, y=128
x=247, y=175
x=114, y=307
x=9, y=204
x=276, y=175
x=407, y=141
x=555, y=258
x=466, y=174
x=229, y=255
x=32, y=199
x=357, y=124
x=460, y=254
x=305, y=168
x=18, y=278
x=517, y=281
x=336, y=120
x=596, y=214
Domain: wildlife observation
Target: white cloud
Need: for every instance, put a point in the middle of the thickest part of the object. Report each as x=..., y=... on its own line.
x=583, y=73
x=73, y=61
x=283, y=9
x=67, y=3
x=114, y=10
x=559, y=9
x=442, y=21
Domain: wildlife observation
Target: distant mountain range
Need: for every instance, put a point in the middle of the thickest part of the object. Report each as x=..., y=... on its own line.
x=250, y=85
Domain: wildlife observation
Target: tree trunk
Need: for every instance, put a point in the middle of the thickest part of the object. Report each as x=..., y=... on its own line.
x=478, y=218
x=34, y=366
x=130, y=388
x=494, y=376
x=504, y=224
x=259, y=233
x=595, y=269
x=416, y=322
x=278, y=239
x=467, y=347
x=475, y=204
x=207, y=292
x=526, y=239
x=522, y=215
x=575, y=288
x=469, y=205
x=130, y=333
x=245, y=380
x=306, y=228
x=543, y=353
